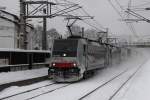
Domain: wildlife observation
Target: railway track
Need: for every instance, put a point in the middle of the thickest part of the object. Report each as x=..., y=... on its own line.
x=87, y=94
x=61, y=86
x=70, y=84
x=130, y=77
x=122, y=85
x=26, y=91
x=38, y=88
x=48, y=92
x=57, y=88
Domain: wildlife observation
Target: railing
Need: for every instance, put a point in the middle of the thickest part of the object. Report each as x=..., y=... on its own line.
x=18, y=67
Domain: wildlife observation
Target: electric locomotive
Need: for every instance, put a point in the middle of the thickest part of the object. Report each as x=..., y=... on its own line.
x=75, y=58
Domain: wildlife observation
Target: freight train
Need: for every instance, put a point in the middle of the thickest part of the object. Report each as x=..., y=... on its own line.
x=76, y=58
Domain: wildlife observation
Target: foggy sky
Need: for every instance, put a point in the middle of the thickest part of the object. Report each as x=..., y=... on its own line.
x=101, y=9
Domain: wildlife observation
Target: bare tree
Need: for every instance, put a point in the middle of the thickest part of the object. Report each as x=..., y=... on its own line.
x=91, y=34
x=51, y=35
x=37, y=37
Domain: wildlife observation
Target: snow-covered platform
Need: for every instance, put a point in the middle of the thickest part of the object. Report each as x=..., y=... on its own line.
x=7, y=77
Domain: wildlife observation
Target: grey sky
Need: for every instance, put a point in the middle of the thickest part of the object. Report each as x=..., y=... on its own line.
x=101, y=9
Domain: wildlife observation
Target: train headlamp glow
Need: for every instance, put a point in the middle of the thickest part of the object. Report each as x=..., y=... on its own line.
x=53, y=64
x=74, y=64
x=64, y=55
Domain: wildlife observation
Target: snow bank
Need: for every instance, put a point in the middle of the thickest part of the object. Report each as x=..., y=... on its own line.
x=7, y=77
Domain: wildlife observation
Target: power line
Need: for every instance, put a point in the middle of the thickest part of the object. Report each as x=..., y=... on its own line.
x=147, y=3
x=119, y=4
x=92, y=25
x=99, y=24
x=86, y=13
x=94, y=20
x=115, y=9
x=130, y=24
x=83, y=12
x=132, y=29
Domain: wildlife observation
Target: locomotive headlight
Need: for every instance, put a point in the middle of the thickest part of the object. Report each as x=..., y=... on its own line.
x=74, y=64
x=64, y=55
x=53, y=64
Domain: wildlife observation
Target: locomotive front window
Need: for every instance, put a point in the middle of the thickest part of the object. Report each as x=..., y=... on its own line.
x=65, y=48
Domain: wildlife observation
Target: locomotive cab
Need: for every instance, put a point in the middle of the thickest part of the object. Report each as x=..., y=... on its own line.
x=66, y=62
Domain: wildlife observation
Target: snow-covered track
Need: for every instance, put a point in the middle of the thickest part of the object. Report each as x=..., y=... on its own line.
x=26, y=91
x=109, y=81
x=87, y=94
x=130, y=77
x=36, y=92
x=48, y=92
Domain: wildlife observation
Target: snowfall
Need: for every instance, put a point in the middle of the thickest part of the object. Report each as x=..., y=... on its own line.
x=137, y=88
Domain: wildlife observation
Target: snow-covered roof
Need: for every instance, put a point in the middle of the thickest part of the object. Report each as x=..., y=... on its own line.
x=22, y=50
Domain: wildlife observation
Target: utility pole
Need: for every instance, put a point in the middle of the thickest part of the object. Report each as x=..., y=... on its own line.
x=44, y=36
x=23, y=34
x=82, y=32
x=35, y=12
x=107, y=48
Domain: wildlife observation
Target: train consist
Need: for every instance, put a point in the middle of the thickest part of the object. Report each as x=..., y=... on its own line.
x=75, y=58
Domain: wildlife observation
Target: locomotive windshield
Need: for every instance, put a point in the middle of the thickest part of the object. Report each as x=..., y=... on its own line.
x=65, y=48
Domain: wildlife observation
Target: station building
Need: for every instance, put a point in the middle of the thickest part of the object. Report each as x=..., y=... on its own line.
x=12, y=56
x=9, y=31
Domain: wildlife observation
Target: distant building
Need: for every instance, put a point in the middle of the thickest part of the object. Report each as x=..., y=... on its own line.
x=10, y=29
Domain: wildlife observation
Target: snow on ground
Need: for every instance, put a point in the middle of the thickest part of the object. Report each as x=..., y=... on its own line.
x=7, y=77
x=16, y=89
x=75, y=91
x=109, y=89
x=137, y=89
x=32, y=93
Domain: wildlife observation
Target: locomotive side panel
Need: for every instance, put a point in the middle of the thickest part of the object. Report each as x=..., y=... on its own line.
x=115, y=55
x=81, y=55
x=96, y=57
